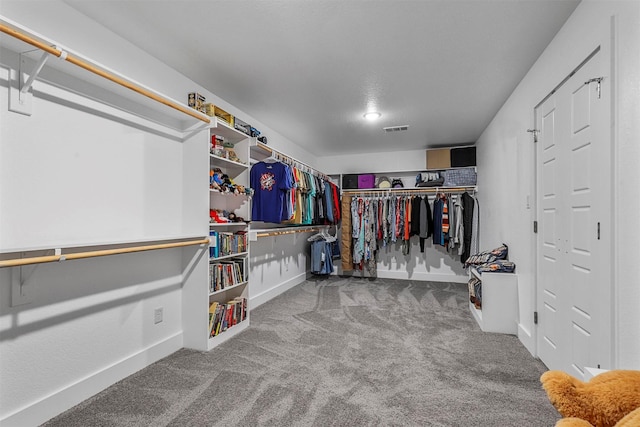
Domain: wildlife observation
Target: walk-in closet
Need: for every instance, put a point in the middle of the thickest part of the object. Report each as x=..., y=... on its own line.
x=314, y=213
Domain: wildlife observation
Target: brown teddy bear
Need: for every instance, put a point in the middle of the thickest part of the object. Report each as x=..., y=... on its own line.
x=607, y=400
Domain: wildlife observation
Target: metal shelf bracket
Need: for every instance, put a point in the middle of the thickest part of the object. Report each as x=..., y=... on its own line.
x=20, y=96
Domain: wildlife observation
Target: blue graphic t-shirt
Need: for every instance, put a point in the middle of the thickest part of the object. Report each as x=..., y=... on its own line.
x=270, y=182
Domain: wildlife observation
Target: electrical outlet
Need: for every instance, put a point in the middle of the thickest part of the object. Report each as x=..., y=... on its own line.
x=157, y=315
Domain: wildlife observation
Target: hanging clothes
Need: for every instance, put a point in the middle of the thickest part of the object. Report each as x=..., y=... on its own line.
x=270, y=182
x=378, y=221
x=467, y=220
x=345, y=241
x=357, y=233
x=475, y=227
x=445, y=220
x=328, y=202
x=336, y=203
x=415, y=215
x=291, y=195
x=321, y=257
x=406, y=242
x=425, y=221
x=371, y=242
x=458, y=226
x=438, y=238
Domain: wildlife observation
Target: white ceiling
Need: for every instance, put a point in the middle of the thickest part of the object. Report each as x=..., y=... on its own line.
x=310, y=69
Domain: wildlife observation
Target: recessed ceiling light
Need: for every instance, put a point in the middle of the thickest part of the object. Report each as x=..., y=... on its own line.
x=372, y=115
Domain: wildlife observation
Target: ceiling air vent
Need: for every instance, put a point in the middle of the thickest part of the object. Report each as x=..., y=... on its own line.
x=396, y=128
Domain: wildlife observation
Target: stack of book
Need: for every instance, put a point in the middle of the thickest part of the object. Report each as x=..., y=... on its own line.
x=222, y=315
x=225, y=274
x=226, y=243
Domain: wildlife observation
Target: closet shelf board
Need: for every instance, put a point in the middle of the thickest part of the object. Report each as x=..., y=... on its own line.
x=227, y=224
x=226, y=163
x=239, y=254
x=259, y=151
x=227, y=132
x=226, y=194
x=229, y=333
x=228, y=288
x=64, y=74
x=411, y=189
x=394, y=172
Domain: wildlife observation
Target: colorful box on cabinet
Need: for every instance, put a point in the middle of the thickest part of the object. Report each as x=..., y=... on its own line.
x=367, y=180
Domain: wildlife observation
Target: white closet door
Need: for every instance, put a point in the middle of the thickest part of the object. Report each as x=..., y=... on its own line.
x=574, y=200
x=550, y=256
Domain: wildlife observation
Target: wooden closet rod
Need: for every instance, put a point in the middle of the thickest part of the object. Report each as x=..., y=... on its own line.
x=385, y=191
x=17, y=262
x=118, y=80
x=292, y=160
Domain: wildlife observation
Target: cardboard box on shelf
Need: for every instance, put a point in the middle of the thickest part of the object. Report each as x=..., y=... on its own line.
x=439, y=158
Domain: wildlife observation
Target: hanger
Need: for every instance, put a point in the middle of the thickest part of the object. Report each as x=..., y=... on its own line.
x=271, y=159
x=322, y=235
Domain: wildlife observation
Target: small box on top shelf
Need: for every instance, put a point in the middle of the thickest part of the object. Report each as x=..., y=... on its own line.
x=242, y=126
x=223, y=115
x=209, y=109
x=439, y=158
x=217, y=146
x=463, y=157
x=197, y=101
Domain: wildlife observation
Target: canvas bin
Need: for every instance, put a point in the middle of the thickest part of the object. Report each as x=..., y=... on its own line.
x=367, y=180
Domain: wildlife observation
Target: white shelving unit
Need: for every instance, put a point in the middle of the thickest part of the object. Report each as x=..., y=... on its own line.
x=198, y=294
x=408, y=178
x=239, y=204
x=499, y=303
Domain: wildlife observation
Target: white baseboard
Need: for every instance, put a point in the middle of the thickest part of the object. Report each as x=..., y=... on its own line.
x=527, y=339
x=404, y=275
x=50, y=406
x=276, y=290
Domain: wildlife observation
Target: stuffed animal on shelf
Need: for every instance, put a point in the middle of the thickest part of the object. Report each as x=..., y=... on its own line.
x=607, y=400
x=227, y=183
x=217, y=216
x=215, y=179
x=230, y=152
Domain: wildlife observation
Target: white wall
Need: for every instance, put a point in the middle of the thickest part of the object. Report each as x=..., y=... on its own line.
x=393, y=161
x=506, y=156
x=277, y=263
x=89, y=323
x=72, y=177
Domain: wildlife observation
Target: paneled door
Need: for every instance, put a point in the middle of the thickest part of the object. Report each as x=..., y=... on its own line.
x=574, y=204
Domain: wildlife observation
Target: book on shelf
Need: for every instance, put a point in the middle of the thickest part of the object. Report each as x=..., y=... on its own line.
x=226, y=315
x=225, y=243
x=231, y=243
x=227, y=273
x=213, y=244
x=213, y=309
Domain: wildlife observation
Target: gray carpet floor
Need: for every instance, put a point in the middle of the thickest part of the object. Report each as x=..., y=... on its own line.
x=339, y=352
